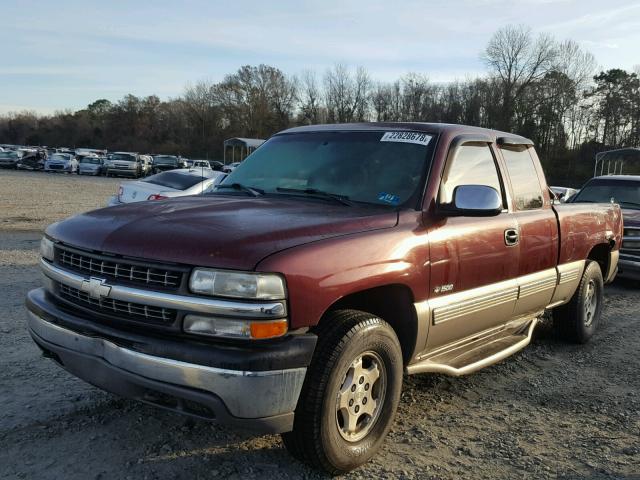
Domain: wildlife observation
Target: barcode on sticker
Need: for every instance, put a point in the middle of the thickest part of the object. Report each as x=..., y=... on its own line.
x=406, y=137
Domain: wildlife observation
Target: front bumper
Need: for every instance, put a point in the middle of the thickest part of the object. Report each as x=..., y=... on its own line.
x=55, y=168
x=228, y=385
x=629, y=267
x=122, y=172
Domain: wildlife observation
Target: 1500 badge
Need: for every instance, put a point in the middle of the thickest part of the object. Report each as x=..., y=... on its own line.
x=443, y=288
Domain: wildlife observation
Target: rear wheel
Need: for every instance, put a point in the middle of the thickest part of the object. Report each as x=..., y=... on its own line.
x=350, y=395
x=578, y=320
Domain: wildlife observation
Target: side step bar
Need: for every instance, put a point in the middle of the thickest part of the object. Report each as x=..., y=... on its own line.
x=478, y=353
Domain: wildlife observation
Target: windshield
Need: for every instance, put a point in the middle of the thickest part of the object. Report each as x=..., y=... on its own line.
x=165, y=160
x=8, y=155
x=60, y=157
x=373, y=167
x=175, y=180
x=127, y=157
x=624, y=192
x=92, y=160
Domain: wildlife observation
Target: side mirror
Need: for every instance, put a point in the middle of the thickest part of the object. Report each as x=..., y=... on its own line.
x=474, y=201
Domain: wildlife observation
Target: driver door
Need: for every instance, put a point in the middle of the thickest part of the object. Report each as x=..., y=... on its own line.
x=473, y=285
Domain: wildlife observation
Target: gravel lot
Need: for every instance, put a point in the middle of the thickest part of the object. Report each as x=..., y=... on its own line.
x=552, y=411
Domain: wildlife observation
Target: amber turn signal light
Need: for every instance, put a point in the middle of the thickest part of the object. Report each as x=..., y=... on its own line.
x=268, y=329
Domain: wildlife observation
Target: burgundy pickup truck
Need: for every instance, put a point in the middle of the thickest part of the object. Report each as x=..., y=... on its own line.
x=334, y=260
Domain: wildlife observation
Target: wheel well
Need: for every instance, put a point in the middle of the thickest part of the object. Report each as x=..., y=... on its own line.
x=600, y=253
x=392, y=303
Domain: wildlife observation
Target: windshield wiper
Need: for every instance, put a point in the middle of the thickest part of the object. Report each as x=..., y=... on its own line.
x=254, y=192
x=343, y=199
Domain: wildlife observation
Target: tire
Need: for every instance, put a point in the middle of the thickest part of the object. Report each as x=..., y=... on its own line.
x=337, y=439
x=578, y=320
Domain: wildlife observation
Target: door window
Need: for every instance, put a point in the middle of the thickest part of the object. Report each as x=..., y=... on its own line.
x=473, y=164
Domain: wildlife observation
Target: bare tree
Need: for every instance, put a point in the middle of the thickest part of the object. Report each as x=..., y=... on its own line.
x=310, y=99
x=517, y=59
x=346, y=95
x=198, y=100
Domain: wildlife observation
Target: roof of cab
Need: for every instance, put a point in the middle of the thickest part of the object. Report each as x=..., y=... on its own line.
x=413, y=126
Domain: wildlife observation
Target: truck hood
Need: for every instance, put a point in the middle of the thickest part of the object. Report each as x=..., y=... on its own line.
x=227, y=231
x=631, y=217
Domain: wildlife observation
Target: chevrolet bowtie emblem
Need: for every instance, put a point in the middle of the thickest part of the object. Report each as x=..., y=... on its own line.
x=96, y=288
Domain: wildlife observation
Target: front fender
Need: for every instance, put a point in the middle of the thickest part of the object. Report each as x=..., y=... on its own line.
x=319, y=274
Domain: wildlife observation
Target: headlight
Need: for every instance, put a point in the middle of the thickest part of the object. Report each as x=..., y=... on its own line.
x=46, y=248
x=259, y=286
x=233, y=328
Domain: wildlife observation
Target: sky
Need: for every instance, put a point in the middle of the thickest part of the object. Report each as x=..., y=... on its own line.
x=62, y=54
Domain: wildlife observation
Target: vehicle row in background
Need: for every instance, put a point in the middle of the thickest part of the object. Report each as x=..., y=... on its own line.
x=169, y=184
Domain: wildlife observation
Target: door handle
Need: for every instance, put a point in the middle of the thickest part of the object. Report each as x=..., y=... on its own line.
x=511, y=237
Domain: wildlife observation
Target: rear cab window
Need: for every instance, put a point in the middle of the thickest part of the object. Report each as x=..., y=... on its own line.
x=525, y=183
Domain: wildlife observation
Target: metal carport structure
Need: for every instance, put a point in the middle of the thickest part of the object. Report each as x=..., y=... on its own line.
x=246, y=145
x=615, y=160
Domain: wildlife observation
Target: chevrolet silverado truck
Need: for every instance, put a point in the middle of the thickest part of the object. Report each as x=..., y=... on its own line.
x=294, y=296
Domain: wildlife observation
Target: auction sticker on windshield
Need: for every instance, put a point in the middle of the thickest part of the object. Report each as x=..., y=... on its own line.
x=406, y=137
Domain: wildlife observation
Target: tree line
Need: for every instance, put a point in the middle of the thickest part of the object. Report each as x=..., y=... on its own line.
x=548, y=90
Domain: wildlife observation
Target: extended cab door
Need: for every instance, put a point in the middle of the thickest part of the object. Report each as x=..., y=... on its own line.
x=473, y=269
x=537, y=233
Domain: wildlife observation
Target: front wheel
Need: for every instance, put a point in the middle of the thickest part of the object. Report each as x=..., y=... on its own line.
x=350, y=395
x=578, y=320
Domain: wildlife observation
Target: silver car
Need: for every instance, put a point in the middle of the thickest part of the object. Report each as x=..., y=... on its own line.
x=91, y=165
x=61, y=162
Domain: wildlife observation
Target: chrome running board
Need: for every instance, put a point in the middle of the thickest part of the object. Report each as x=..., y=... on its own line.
x=478, y=352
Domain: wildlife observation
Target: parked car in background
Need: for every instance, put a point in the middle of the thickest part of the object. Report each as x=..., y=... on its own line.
x=162, y=163
x=32, y=160
x=200, y=164
x=91, y=165
x=10, y=158
x=147, y=164
x=61, y=162
x=231, y=167
x=624, y=190
x=216, y=165
x=163, y=185
x=125, y=164
x=98, y=152
x=564, y=193
x=295, y=296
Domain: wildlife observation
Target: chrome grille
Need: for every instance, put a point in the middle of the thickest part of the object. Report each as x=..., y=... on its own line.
x=109, y=306
x=117, y=269
x=631, y=240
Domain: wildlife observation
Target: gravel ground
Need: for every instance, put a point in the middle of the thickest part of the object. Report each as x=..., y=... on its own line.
x=552, y=411
x=33, y=200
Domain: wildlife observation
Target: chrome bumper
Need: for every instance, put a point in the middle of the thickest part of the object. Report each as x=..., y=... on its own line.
x=245, y=394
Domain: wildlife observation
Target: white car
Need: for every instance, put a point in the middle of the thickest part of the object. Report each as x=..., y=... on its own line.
x=564, y=193
x=61, y=162
x=173, y=183
x=200, y=164
x=231, y=167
